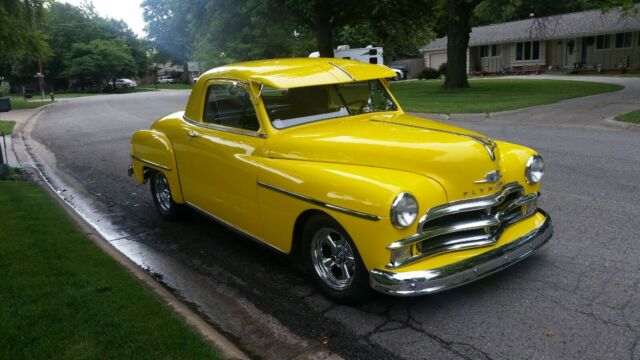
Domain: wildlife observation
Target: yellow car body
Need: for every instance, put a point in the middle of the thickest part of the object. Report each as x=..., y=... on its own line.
x=266, y=182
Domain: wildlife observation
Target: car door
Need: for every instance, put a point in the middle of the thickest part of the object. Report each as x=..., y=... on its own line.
x=215, y=156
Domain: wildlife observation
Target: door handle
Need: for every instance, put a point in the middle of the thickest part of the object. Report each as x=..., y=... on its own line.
x=193, y=134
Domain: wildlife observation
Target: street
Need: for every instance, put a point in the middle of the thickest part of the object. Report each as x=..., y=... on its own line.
x=578, y=298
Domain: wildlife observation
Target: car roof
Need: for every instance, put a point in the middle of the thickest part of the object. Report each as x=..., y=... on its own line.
x=299, y=72
x=286, y=73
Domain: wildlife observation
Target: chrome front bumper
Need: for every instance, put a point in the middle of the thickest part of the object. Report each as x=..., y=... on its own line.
x=463, y=272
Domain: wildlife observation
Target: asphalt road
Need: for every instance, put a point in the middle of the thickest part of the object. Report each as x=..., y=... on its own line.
x=578, y=298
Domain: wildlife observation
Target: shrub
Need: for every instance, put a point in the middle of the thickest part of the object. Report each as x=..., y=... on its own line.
x=442, y=69
x=4, y=89
x=428, y=73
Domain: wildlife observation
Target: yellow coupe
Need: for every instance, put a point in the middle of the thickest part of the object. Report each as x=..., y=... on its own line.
x=315, y=158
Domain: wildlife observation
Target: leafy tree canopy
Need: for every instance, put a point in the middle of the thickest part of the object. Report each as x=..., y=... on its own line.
x=100, y=60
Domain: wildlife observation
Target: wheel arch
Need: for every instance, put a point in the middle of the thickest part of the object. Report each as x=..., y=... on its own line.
x=151, y=150
x=301, y=221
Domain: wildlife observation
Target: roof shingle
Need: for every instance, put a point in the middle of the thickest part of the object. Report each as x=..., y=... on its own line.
x=576, y=24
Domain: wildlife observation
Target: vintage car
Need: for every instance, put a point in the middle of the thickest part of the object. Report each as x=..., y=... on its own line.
x=315, y=158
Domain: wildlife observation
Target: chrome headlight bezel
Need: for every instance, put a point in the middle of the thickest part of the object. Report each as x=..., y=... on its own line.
x=404, y=204
x=534, y=171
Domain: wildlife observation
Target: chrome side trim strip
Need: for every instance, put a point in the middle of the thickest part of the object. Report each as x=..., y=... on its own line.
x=343, y=70
x=488, y=144
x=233, y=228
x=224, y=128
x=447, y=277
x=320, y=203
x=150, y=163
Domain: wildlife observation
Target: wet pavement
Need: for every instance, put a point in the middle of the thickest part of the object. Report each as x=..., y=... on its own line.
x=579, y=297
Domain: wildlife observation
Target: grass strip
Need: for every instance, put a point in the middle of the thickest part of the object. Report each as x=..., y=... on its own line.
x=491, y=95
x=167, y=86
x=62, y=297
x=18, y=103
x=6, y=126
x=631, y=117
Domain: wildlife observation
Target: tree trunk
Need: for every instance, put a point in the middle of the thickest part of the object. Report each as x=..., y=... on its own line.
x=324, y=30
x=458, y=29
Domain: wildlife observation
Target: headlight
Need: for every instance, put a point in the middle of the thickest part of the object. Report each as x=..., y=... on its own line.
x=404, y=210
x=535, y=169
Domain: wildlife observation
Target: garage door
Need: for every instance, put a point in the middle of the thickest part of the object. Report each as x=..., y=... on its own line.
x=436, y=59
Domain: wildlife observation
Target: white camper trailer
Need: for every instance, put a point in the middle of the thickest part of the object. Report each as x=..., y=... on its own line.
x=369, y=54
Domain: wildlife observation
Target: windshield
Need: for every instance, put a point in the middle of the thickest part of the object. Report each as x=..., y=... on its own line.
x=291, y=107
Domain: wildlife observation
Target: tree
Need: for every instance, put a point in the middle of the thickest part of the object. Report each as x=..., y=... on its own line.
x=387, y=22
x=458, y=16
x=21, y=39
x=101, y=60
x=167, y=26
x=69, y=25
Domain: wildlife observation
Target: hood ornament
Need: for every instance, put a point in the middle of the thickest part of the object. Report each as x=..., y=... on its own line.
x=491, y=177
x=488, y=144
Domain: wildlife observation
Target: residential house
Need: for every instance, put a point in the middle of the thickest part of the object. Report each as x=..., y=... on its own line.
x=587, y=40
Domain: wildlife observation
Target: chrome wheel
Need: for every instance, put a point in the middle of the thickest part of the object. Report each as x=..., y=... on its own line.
x=333, y=258
x=162, y=192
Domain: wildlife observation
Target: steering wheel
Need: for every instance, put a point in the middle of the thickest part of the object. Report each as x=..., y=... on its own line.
x=362, y=103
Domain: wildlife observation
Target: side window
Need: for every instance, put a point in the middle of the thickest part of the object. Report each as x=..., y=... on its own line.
x=229, y=104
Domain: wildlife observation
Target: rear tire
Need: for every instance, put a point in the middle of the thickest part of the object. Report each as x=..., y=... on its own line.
x=332, y=259
x=162, y=198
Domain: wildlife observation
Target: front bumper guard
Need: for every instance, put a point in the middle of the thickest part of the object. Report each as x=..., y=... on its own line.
x=463, y=272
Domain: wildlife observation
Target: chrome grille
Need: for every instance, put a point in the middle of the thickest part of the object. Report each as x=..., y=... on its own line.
x=464, y=225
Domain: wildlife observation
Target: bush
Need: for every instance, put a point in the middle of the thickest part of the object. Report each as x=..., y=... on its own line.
x=442, y=69
x=428, y=73
x=4, y=89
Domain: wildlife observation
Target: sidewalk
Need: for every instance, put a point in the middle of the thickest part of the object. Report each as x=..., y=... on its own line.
x=20, y=117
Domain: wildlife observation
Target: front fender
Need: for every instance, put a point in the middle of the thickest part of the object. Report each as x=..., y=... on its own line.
x=293, y=187
x=152, y=150
x=513, y=160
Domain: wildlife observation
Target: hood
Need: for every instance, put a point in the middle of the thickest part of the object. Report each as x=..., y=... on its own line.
x=456, y=158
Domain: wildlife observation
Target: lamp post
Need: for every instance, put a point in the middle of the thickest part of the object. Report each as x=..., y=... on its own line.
x=40, y=77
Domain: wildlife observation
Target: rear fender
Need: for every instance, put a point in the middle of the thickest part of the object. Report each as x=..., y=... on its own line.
x=151, y=150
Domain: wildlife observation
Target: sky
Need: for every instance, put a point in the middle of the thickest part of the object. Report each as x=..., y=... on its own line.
x=127, y=10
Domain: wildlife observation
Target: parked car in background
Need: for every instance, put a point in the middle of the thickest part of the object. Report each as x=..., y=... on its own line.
x=125, y=84
x=401, y=71
x=400, y=75
x=316, y=159
x=166, y=79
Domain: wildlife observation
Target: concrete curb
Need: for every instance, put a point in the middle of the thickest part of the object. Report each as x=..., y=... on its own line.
x=225, y=348
x=621, y=124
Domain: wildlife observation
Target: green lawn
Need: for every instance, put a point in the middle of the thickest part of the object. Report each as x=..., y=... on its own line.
x=17, y=102
x=6, y=126
x=62, y=297
x=66, y=95
x=167, y=86
x=491, y=95
x=632, y=117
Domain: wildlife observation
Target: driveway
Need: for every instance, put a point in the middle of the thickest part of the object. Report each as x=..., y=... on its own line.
x=578, y=298
x=589, y=111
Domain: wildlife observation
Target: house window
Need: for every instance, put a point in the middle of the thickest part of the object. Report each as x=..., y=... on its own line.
x=484, y=51
x=496, y=50
x=528, y=50
x=603, y=42
x=623, y=40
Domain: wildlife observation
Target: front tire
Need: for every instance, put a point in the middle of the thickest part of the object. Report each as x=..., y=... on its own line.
x=333, y=261
x=162, y=198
